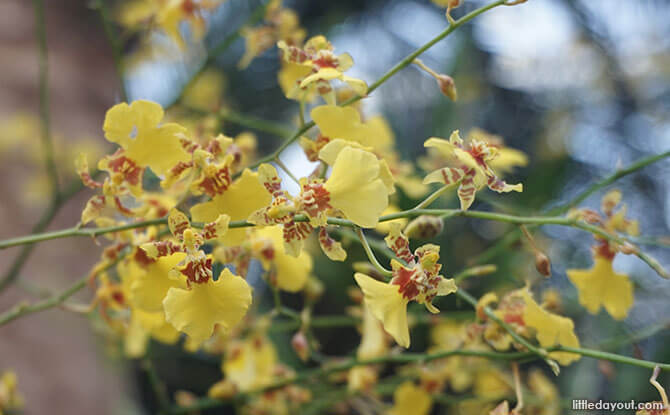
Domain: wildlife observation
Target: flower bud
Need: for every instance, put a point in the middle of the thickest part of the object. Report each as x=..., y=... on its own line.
x=300, y=346
x=313, y=289
x=542, y=264
x=424, y=227
x=447, y=86
x=224, y=390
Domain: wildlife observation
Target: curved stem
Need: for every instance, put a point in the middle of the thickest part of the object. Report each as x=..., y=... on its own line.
x=370, y=254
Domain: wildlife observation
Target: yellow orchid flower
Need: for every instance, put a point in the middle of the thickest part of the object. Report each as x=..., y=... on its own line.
x=417, y=281
x=551, y=329
x=409, y=399
x=281, y=24
x=507, y=158
x=206, y=303
x=356, y=189
x=288, y=272
x=324, y=66
x=10, y=398
x=137, y=129
x=243, y=197
x=251, y=364
x=472, y=171
x=358, y=186
x=601, y=286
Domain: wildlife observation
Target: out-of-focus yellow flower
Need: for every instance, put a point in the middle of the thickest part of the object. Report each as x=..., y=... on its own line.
x=137, y=129
x=551, y=329
x=10, y=398
x=409, y=399
x=547, y=393
x=374, y=343
x=472, y=171
x=251, y=363
x=205, y=92
x=601, y=286
x=324, y=66
x=281, y=24
x=418, y=280
x=344, y=123
x=288, y=272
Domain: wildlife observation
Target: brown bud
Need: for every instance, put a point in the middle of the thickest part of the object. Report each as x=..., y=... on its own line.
x=542, y=264
x=447, y=86
x=300, y=346
x=424, y=227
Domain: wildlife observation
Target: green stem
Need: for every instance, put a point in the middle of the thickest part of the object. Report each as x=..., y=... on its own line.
x=45, y=118
x=430, y=199
x=157, y=385
x=371, y=256
x=25, y=309
x=115, y=46
x=542, y=353
x=256, y=16
x=412, y=213
x=632, y=168
x=410, y=58
x=255, y=123
x=13, y=272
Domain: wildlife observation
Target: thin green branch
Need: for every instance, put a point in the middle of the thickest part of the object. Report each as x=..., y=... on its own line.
x=157, y=385
x=45, y=117
x=542, y=353
x=410, y=58
x=412, y=213
x=58, y=299
x=632, y=168
x=54, y=301
x=255, y=123
x=13, y=272
x=371, y=256
x=115, y=46
x=432, y=197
